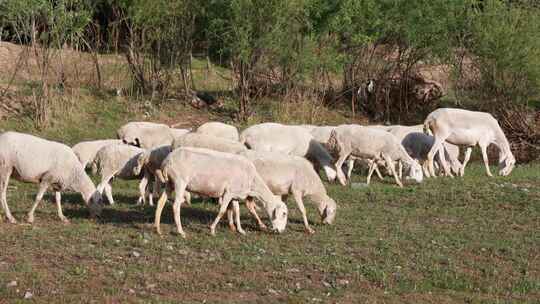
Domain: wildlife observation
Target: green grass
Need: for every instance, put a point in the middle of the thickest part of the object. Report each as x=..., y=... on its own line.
x=464, y=240
x=474, y=240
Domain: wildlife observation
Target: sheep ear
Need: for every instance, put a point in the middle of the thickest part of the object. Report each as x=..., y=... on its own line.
x=137, y=142
x=274, y=215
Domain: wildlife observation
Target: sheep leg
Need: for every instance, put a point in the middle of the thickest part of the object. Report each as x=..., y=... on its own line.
x=4, y=180
x=437, y=143
x=250, y=204
x=226, y=199
x=468, y=152
x=176, y=210
x=300, y=204
x=108, y=193
x=58, y=200
x=341, y=177
x=230, y=217
x=483, y=148
x=160, y=204
x=425, y=169
x=236, y=208
x=187, y=197
x=444, y=163
x=41, y=191
x=350, y=166
x=372, y=166
x=391, y=165
x=142, y=190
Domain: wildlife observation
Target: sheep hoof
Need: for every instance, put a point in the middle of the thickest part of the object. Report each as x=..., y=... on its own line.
x=263, y=227
x=310, y=230
x=12, y=220
x=233, y=228
x=29, y=220
x=242, y=231
x=212, y=231
x=65, y=221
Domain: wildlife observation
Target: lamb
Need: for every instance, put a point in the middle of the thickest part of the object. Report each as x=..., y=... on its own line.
x=119, y=160
x=216, y=174
x=50, y=164
x=148, y=135
x=86, y=150
x=219, y=129
x=468, y=128
x=198, y=140
x=363, y=142
x=288, y=174
x=418, y=145
x=292, y=140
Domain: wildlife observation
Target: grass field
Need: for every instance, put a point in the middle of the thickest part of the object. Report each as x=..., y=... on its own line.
x=474, y=240
x=465, y=240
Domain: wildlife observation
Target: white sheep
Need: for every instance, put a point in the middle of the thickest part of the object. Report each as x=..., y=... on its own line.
x=322, y=135
x=216, y=174
x=150, y=161
x=50, y=164
x=86, y=150
x=418, y=146
x=468, y=128
x=119, y=160
x=206, y=141
x=369, y=143
x=292, y=140
x=148, y=135
x=287, y=174
x=219, y=129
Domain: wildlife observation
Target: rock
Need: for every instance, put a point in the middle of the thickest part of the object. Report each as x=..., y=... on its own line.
x=131, y=291
x=343, y=282
x=272, y=291
x=11, y=284
x=28, y=295
x=136, y=254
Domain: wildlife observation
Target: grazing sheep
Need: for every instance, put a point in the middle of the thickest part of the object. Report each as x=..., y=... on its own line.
x=119, y=160
x=219, y=129
x=287, y=174
x=322, y=135
x=418, y=146
x=86, y=150
x=145, y=134
x=363, y=142
x=468, y=128
x=216, y=174
x=50, y=164
x=292, y=140
x=151, y=161
x=198, y=140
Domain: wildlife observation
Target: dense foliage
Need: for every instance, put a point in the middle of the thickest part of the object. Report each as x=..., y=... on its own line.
x=322, y=48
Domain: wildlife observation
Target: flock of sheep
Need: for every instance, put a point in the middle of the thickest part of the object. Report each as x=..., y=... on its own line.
x=262, y=165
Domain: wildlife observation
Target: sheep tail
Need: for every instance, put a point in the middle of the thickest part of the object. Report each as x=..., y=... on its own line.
x=427, y=129
x=162, y=175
